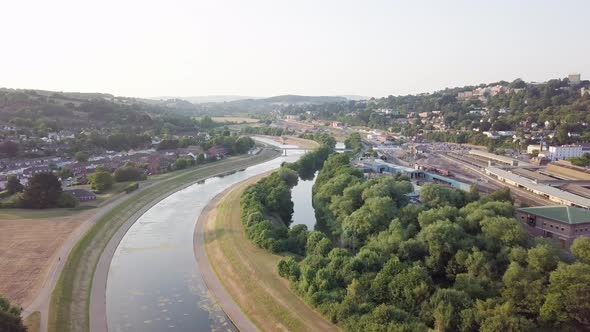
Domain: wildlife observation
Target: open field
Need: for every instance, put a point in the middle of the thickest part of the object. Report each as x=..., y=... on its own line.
x=292, y=140
x=27, y=249
x=250, y=274
x=33, y=321
x=71, y=296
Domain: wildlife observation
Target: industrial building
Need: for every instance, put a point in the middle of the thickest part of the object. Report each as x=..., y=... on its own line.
x=414, y=174
x=553, y=194
x=562, y=223
x=494, y=157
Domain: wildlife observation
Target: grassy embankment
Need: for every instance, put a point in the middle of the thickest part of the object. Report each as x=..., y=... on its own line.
x=71, y=297
x=33, y=322
x=250, y=275
x=102, y=199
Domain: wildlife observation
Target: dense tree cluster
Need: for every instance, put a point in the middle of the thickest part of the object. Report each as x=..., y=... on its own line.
x=129, y=172
x=322, y=138
x=454, y=263
x=42, y=191
x=101, y=180
x=582, y=161
x=354, y=142
x=267, y=208
x=265, y=130
x=13, y=185
x=10, y=317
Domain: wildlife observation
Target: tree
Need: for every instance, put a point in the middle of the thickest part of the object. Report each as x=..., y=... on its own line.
x=129, y=173
x=502, y=195
x=566, y=303
x=580, y=249
x=180, y=163
x=67, y=200
x=100, y=180
x=9, y=148
x=65, y=173
x=81, y=156
x=10, y=317
x=288, y=176
x=42, y=191
x=447, y=305
x=13, y=185
x=200, y=159
x=436, y=195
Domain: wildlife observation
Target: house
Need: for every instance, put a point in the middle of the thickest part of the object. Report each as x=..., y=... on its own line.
x=218, y=151
x=159, y=163
x=191, y=151
x=562, y=223
x=82, y=195
x=28, y=172
x=338, y=125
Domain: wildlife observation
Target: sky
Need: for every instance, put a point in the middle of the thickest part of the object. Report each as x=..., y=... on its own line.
x=271, y=47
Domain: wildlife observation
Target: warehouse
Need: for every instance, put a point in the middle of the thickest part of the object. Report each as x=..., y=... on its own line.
x=554, y=194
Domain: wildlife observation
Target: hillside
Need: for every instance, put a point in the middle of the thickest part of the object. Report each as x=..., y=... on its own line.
x=74, y=109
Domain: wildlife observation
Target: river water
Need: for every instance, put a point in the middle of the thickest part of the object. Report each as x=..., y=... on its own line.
x=154, y=283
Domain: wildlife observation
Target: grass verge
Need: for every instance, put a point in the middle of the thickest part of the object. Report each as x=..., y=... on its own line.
x=70, y=299
x=249, y=274
x=33, y=322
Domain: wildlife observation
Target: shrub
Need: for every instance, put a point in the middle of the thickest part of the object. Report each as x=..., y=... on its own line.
x=129, y=173
x=67, y=200
x=131, y=187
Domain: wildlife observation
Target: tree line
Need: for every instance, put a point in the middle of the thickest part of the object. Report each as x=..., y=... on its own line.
x=456, y=262
x=267, y=208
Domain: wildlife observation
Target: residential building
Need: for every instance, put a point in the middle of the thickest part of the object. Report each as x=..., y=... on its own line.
x=465, y=95
x=562, y=223
x=584, y=91
x=574, y=79
x=564, y=152
x=531, y=148
x=218, y=151
x=82, y=195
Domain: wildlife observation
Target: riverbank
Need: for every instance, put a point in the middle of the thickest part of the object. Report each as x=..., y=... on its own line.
x=70, y=301
x=248, y=274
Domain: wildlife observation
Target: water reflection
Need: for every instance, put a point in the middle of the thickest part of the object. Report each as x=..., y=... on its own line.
x=154, y=283
x=303, y=212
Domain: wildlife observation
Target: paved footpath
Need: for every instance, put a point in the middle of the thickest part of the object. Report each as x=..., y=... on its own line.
x=229, y=306
x=41, y=301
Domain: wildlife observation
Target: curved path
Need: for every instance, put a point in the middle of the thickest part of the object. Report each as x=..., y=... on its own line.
x=42, y=299
x=117, y=249
x=227, y=303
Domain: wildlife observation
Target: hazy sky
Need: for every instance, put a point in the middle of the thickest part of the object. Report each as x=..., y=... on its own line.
x=263, y=48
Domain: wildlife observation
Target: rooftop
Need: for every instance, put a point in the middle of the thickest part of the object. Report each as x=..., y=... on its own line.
x=546, y=189
x=566, y=214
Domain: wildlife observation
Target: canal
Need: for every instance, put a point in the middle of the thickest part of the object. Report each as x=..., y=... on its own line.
x=154, y=283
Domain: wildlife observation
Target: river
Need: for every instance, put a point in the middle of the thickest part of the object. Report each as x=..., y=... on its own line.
x=154, y=283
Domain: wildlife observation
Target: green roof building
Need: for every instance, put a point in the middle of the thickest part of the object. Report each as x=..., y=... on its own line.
x=562, y=223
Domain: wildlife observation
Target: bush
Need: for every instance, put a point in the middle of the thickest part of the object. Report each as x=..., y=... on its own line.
x=67, y=200
x=181, y=163
x=14, y=202
x=131, y=187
